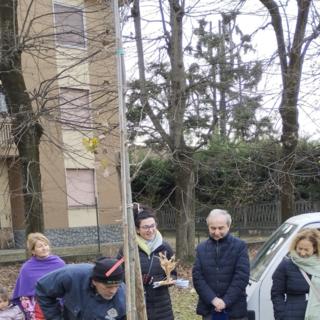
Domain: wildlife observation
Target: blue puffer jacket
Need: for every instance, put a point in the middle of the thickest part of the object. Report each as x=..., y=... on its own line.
x=224, y=276
x=287, y=279
x=80, y=301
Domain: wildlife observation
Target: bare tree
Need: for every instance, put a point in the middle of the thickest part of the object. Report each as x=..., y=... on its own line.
x=59, y=78
x=178, y=102
x=293, y=37
x=26, y=128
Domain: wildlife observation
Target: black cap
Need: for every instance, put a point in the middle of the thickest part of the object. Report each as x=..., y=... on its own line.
x=103, y=265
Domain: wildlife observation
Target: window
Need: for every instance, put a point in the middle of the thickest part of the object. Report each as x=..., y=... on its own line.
x=75, y=108
x=69, y=26
x=262, y=259
x=80, y=187
x=3, y=105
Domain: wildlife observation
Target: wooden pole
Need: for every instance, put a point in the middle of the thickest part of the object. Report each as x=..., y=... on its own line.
x=125, y=178
x=134, y=289
x=139, y=290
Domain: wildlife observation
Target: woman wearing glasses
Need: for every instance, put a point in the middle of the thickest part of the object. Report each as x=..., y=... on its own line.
x=151, y=243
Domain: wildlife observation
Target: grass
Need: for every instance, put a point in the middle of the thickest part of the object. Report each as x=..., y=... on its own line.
x=184, y=300
x=184, y=303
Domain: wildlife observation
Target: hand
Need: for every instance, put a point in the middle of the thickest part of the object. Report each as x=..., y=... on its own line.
x=146, y=279
x=218, y=304
x=169, y=285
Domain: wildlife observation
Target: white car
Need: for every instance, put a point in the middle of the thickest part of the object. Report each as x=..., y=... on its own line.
x=266, y=261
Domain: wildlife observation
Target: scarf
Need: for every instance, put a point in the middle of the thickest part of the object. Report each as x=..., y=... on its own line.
x=150, y=246
x=32, y=271
x=311, y=266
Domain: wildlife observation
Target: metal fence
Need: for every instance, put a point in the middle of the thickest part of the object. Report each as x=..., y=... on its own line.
x=261, y=216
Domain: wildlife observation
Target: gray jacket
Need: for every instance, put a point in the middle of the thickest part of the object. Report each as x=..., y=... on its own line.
x=12, y=312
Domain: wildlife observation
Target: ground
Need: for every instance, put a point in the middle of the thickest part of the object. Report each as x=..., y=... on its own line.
x=184, y=300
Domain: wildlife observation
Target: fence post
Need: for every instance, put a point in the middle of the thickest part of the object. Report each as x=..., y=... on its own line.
x=98, y=227
x=245, y=216
x=316, y=206
x=278, y=210
x=198, y=229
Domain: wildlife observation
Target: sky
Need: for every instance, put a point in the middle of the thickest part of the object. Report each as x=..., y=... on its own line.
x=265, y=43
x=252, y=18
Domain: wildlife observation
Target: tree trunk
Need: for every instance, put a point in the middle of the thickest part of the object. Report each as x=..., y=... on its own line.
x=184, y=196
x=223, y=81
x=183, y=161
x=291, y=62
x=178, y=79
x=287, y=185
x=289, y=139
x=25, y=126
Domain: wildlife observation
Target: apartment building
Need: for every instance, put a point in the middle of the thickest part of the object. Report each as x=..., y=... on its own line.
x=69, y=67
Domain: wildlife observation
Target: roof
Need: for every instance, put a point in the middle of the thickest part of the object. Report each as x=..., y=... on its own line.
x=305, y=218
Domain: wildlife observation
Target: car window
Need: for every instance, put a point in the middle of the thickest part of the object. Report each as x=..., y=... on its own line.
x=264, y=256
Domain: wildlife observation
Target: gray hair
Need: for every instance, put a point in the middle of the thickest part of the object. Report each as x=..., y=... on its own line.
x=219, y=212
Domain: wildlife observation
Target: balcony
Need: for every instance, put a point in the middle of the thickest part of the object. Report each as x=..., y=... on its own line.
x=7, y=146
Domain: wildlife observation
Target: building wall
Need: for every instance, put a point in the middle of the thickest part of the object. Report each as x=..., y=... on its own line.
x=16, y=198
x=79, y=236
x=49, y=68
x=40, y=70
x=91, y=75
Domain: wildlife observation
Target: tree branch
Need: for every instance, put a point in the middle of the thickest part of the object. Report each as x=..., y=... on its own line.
x=276, y=22
x=143, y=91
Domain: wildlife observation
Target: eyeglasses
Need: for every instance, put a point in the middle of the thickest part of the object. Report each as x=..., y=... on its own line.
x=147, y=228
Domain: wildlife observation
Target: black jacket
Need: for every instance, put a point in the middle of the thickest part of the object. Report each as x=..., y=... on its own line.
x=158, y=300
x=222, y=273
x=289, y=281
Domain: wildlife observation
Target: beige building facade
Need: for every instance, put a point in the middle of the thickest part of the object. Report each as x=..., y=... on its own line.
x=69, y=67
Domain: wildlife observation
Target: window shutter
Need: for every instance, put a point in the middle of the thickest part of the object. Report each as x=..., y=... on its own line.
x=80, y=187
x=75, y=108
x=69, y=26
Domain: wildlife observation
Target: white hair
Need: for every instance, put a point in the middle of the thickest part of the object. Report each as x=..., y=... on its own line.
x=220, y=212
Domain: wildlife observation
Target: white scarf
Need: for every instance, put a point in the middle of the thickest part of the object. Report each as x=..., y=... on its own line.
x=150, y=246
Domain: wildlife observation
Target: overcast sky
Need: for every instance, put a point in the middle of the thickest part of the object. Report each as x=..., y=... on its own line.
x=253, y=17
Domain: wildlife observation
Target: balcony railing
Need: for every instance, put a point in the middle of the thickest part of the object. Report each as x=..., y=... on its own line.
x=7, y=146
x=5, y=133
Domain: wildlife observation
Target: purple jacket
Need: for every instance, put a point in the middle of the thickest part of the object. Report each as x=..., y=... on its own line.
x=32, y=271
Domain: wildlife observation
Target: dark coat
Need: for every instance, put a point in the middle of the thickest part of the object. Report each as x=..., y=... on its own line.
x=158, y=300
x=80, y=300
x=224, y=275
x=287, y=279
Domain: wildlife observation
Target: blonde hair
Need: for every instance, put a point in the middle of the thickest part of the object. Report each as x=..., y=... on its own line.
x=310, y=234
x=32, y=240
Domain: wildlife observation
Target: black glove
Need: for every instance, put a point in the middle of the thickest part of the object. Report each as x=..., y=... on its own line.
x=146, y=279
